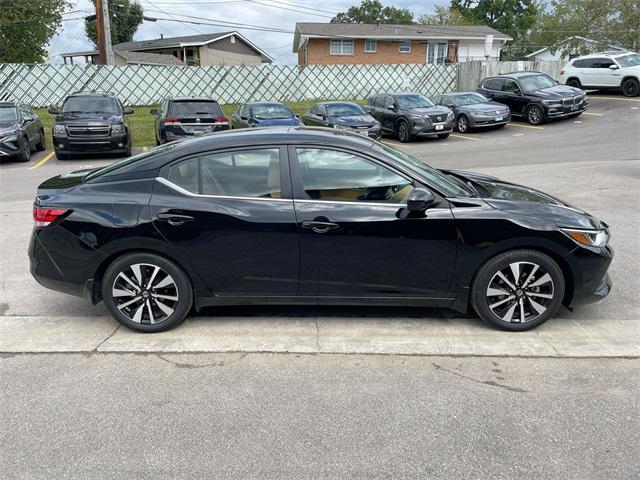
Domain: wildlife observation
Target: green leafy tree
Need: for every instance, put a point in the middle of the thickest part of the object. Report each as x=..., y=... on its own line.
x=512, y=17
x=445, y=15
x=26, y=28
x=372, y=11
x=125, y=16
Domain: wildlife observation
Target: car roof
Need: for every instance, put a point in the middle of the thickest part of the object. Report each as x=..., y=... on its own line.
x=91, y=94
x=337, y=102
x=454, y=94
x=516, y=75
x=263, y=103
x=195, y=99
x=8, y=104
x=613, y=54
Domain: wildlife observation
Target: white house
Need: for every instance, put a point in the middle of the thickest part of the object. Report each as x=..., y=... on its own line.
x=583, y=45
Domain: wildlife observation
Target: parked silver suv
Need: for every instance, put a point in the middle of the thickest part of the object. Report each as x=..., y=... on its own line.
x=604, y=71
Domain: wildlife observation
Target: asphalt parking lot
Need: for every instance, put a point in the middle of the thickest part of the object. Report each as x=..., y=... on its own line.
x=592, y=161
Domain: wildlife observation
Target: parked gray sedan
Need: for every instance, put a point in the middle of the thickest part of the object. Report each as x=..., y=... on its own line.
x=474, y=110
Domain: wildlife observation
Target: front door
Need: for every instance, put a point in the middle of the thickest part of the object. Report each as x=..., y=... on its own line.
x=354, y=240
x=230, y=215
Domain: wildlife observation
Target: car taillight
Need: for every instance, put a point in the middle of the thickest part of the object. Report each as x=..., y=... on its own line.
x=171, y=120
x=221, y=120
x=562, y=71
x=44, y=216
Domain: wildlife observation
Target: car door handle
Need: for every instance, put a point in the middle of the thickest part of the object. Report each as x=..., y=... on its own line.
x=174, y=219
x=318, y=226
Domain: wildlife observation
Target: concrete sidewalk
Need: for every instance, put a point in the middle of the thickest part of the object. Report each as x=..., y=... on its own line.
x=560, y=337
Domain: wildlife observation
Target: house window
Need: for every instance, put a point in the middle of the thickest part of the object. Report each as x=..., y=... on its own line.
x=437, y=52
x=341, y=47
x=370, y=46
x=405, y=46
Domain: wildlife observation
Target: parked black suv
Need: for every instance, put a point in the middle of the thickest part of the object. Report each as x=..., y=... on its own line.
x=20, y=131
x=91, y=122
x=535, y=96
x=179, y=118
x=407, y=115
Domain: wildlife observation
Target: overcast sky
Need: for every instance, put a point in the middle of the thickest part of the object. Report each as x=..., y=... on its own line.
x=247, y=12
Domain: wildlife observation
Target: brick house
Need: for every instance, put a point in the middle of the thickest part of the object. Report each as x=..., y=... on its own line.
x=340, y=43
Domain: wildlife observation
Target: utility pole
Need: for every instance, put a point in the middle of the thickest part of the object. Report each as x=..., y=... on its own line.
x=103, y=31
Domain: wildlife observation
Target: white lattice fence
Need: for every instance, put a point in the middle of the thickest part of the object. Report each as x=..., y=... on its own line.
x=43, y=85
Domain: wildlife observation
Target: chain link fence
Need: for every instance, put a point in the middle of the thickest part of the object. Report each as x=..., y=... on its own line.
x=42, y=85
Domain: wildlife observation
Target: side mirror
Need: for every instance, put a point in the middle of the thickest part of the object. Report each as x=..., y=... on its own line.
x=53, y=111
x=153, y=111
x=128, y=110
x=613, y=67
x=391, y=107
x=420, y=199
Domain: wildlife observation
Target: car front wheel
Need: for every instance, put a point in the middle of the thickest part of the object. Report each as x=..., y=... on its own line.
x=535, y=115
x=462, y=124
x=146, y=292
x=403, y=132
x=630, y=88
x=518, y=290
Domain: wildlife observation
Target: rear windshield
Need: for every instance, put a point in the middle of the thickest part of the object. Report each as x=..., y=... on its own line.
x=7, y=113
x=192, y=108
x=270, y=111
x=91, y=104
x=413, y=101
x=344, y=110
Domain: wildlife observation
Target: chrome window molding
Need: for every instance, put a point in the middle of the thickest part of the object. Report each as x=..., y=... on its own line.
x=184, y=191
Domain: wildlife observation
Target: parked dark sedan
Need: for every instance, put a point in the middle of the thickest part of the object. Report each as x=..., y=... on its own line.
x=409, y=115
x=473, y=110
x=179, y=118
x=20, y=131
x=263, y=114
x=91, y=122
x=535, y=96
x=309, y=216
x=342, y=116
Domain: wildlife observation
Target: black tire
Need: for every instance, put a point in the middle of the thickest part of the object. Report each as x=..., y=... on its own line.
x=535, y=115
x=442, y=136
x=25, y=152
x=41, y=146
x=487, y=276
x=574, y=82
x=462, y=124
x=61, y=156
x=630, y=87
x=127, y=152
x=179, y=288
x=403, y=131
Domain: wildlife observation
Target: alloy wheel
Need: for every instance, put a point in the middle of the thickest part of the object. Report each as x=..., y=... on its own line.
x=630, y=88
x=520, y=292
x=403, y=132
x=534, y=115
x=462, y=125
x=145, y=293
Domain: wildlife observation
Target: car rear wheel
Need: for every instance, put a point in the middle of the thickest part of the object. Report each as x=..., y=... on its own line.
x=402, y=131
x=535, y=115
x=574, y=82
x=41, y=146
x=25, y=152
x=518, y=290
x=146, y=292
x=462, y=124
x=630, y=87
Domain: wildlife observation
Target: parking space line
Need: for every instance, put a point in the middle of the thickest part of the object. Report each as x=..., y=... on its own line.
x=43, y=161
x=594, y=114
x=598, y=97
x=466, y=137
x=524, y=126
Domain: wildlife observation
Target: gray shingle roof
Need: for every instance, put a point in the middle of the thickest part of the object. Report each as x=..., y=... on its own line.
x=145, y=58
x=169, y=41
x=414, y=32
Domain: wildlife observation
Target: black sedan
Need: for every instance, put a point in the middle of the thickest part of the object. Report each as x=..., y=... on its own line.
x=473, y=110
x=263, y=114
x=342, y=116
x=535, y=96
x=311, y=216
x=20, y=131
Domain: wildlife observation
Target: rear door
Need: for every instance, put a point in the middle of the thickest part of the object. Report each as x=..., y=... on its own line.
x=230, y=214
x=354, y=240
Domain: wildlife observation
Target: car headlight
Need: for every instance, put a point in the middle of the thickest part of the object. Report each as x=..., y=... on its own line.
x=117, y=128
x=552, y=102
x=418, y=118
x=478, y=114
x=9, y=133
x=59, y=129
x=341, y=127
x=449, y=115
x=590, y=238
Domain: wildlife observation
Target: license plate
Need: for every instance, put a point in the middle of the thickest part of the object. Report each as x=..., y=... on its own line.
x=498, y=118
x=439, y=127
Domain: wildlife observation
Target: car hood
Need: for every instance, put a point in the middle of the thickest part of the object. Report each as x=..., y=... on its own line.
x=483, y=107
x=273, y=122
x=9, y=125
x=429, y=110
x=557, y=91
x=512, y=197
x=88, y=117
x=353, y=120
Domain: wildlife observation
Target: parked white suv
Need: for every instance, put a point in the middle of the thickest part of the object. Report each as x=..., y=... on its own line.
x=604, y=71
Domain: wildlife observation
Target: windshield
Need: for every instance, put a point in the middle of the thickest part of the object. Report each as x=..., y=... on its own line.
x=344, y=110
x=191, y=108
x=629, y=60
x=270, y=111
x=439, y=180
x=536, y=82
x=91, y=104
x=8, y=113
x=128, y=161
x=413, y=101
x=469, y=99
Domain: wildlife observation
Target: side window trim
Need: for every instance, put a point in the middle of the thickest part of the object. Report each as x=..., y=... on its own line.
x=299, y=194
